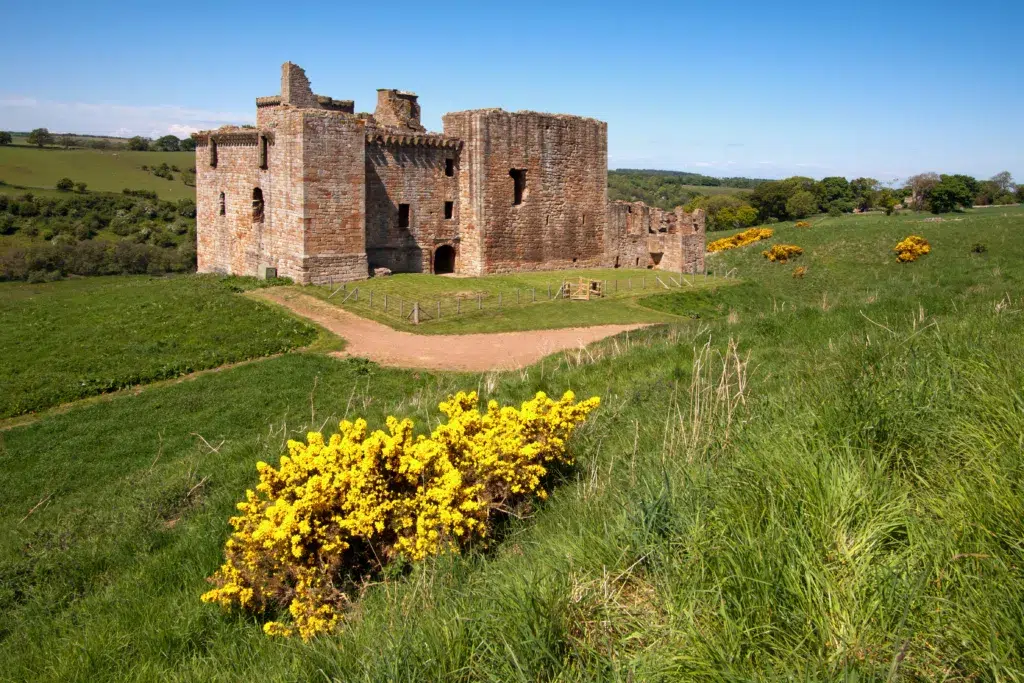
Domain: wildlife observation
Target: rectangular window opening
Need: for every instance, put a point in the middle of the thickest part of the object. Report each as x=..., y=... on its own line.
x=449, y=210
x=262, y=161
x=403, y=215
x=449, y=167
x=518, y=185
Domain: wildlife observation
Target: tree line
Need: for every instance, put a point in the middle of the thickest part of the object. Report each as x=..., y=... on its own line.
x=799, y=197
x=42, y=137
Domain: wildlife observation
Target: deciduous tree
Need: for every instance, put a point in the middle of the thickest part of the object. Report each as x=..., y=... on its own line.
x=138, y=144
x=40, y=137
x=5, y=138
x=801, y=204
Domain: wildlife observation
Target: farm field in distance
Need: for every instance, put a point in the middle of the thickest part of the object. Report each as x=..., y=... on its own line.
x=811, y=478
x=38, y=170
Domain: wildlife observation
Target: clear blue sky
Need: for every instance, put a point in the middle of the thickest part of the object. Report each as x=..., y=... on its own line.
x=767, y=89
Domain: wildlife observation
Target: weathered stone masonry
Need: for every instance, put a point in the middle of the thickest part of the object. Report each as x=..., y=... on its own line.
x=320, y=193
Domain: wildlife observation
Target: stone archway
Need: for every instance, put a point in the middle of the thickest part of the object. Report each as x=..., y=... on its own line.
x=444, y=259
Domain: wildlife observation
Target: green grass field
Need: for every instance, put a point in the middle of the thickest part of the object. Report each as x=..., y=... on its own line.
x=40, y=169
x=75, y=338
x=809, y=479
x=528, y=301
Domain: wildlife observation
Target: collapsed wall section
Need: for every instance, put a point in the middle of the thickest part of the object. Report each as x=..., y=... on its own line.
x=642, y=236
x=533, y=189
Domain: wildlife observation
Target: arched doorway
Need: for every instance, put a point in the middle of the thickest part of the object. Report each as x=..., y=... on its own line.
x=444, y=260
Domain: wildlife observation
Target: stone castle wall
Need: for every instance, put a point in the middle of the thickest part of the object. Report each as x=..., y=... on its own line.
x=560, y=222
x=410, y=170
x=641, y=236
x=236, y=241
x=528, y=191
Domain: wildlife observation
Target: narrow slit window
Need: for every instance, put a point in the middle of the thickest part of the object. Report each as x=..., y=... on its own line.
x=449, y=167
x=263, y=151
x=213, y=153
x=223, y=205
x=518, y=185
x=403, y=215
x=584, y=219
x=257, y=205
x=449, y=210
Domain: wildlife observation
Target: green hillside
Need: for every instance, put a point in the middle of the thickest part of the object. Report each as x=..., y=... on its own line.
x=102, y=171
x=811, y=478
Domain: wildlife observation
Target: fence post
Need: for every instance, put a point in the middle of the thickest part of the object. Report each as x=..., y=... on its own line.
x=499, y=299
x=631, y=284
x=401, y=308
x=458, y=306
x=479, y=302
x=549, y=291
x=534, y=292
x=371, y=298
x=416, y=313
x=517, y=296
x=438, y=309
x=385, y=302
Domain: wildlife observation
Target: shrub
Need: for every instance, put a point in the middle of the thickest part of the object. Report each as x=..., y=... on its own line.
x=781, y=253
x=910, y=248
x=65, y=184
x=740, y=239
x=80, y=188
x=358, y=501
x=979, y=248
x=802, y=224
x=799, y=272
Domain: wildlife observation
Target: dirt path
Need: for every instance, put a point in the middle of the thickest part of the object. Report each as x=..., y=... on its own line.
x=470, y=352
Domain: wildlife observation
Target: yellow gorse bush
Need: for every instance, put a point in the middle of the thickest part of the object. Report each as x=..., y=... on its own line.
x=802, y=224
x=741, y=239
x=782, y=252
x=911, y=247
x=353, y=503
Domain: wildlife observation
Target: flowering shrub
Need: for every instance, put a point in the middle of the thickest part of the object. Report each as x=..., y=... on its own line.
x=741, y=239
x=802, y=224
x=799, y=272
x=358, y=501
x=911, y=247
x=782, y=252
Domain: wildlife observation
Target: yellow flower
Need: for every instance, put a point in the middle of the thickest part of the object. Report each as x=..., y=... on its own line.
x=383, y=495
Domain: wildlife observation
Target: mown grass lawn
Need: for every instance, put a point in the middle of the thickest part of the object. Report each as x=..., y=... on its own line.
x=101, y=171
x=506, y=303
x=66, y=340
x=840, y=500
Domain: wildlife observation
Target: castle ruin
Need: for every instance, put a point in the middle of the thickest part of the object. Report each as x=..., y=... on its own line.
x=319, y=193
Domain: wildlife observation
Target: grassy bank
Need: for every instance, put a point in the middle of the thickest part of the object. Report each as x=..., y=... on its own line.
x=815, y=479
x=67, y=340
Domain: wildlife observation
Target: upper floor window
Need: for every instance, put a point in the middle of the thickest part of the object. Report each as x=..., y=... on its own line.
x=403, y=215
x=449, y=167
x=223, y=205
x=262, y=147
x=518, y=185
x=449, y=209
x=257, y=205
x=213, y=153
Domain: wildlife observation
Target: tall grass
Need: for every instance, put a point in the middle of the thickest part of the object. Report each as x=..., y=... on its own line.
x=796, y=491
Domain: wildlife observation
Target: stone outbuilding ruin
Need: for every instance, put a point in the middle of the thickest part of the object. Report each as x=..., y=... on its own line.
x=317, y=192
